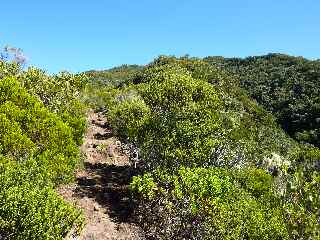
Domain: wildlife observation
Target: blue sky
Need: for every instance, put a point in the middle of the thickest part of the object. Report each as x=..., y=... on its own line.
x=79, y=35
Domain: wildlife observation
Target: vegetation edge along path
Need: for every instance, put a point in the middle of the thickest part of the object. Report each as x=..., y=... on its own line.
x=101, y=190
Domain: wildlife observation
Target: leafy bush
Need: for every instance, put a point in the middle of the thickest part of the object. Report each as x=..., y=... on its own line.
x=303, y=196
x=60, y=94
x=29, y=207
x=28, y=129
x=129, y=117
x=8, y=69
x=199, y=203
x=37, y=152
x=178, y=120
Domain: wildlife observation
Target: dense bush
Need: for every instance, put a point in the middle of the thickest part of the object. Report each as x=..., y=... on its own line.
x=287, y=86
x=303, y=195
x=28, y=129
x=60, y=94
x=178, y=120
x=217, y=165
x=9, y=69
x=101, y=84
x=29, y=207
x=213, y=203
x=38, y=150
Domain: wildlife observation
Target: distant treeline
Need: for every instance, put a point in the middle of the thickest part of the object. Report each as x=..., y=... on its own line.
x=285, y=85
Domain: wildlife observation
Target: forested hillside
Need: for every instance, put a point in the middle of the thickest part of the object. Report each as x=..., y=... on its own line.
x=285, y=85
x=215, y=164
x=220, y=148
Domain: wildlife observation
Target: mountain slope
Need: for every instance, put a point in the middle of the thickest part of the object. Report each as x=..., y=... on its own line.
x=215, y=164
x=285, y=85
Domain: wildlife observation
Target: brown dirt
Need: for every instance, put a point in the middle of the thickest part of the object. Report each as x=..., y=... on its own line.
x=101, y=190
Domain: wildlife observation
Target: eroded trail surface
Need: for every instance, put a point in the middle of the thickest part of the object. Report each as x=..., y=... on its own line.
x=102, y=187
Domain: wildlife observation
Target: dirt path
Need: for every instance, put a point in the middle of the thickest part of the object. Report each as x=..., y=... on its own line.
x=102, y=187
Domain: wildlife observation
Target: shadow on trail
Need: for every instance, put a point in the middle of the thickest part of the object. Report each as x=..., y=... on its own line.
x=109, y=185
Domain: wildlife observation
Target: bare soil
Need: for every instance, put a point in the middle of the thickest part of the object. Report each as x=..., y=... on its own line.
x=101, y=190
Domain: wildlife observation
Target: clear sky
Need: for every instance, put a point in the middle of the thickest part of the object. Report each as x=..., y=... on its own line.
x=79, y=35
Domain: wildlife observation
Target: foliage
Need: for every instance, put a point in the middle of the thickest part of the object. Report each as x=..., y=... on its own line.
x=60, y=94
x=8, y=69
x=217, y=164
x=28, y=129
x=129, y=117
x=178, y=120
x=41, y=125
x=98, y=93
x=287, y=86
x=303, y=196
x=29, y=207
x=210, y=204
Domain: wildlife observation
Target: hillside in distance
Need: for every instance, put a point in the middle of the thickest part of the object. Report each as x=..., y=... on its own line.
x=287, y=86
x=113, y=76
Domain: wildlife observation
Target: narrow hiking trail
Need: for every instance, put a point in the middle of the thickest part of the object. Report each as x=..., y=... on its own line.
x=101, y=190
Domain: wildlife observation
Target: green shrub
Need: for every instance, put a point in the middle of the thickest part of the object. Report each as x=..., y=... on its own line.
x=199, y=203
x=29, y=206
x=129, y=118
x=28, y=129
x=303, y=195
x=42, y=124
x=37, y=152
x=8, y=69
x=178, y=120
x=61, y=94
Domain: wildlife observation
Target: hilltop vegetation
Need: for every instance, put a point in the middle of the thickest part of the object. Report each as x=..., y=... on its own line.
x=97, y=92
x=287, y=86
x=216, y=165
x=114, y=76
x=224, y=148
